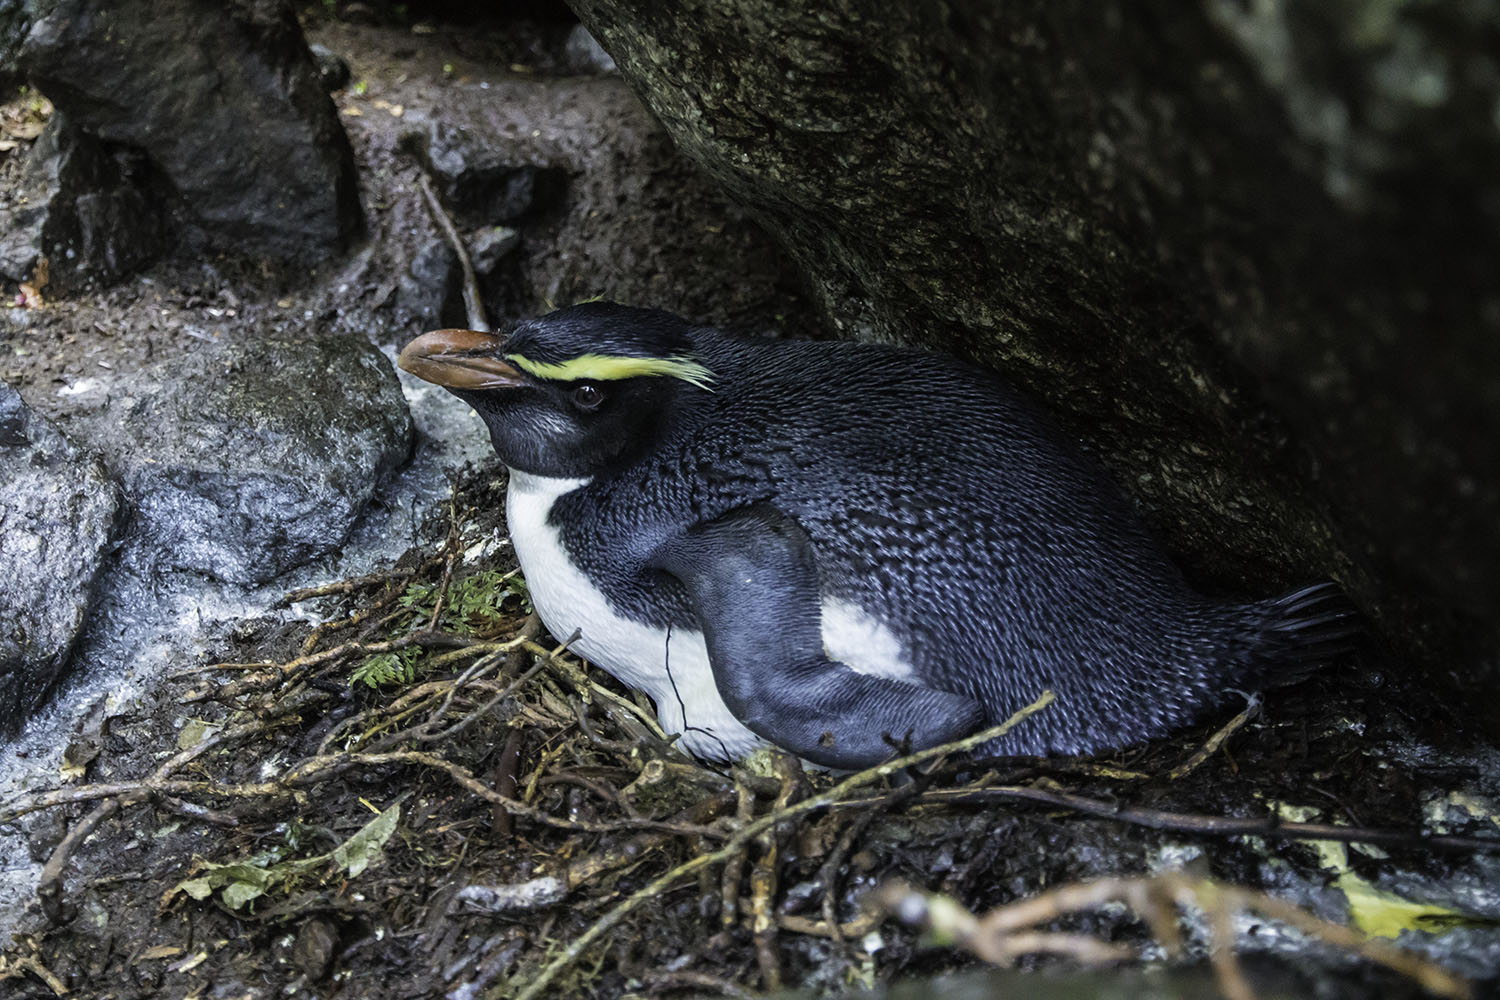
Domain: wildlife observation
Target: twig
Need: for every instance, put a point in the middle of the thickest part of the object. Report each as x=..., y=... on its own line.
x=856, y=928
x=504, y=779
x=734, y=867
x=473, y=306
x=697, y=982
x=453, y=554
x=579, y=945
x=765, y=876
x=1216, y=740
x=828, y=872
x=1007, y=932
x=10, y=969
x=1223, y=826
x=382, y=602
x=507, y=769
x=348, y=586
x=49, y=887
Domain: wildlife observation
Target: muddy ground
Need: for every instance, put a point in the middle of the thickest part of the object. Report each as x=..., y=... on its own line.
x=346, y=775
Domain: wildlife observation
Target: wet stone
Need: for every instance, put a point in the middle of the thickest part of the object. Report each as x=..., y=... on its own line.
x=333, y=70
x=244, y=460
x=430, y=293
x=491, y=246
x=583, y=54
x=481, y=182
x=58, y=511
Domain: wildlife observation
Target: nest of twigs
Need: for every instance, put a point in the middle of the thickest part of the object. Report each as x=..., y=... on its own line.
x=424, y=794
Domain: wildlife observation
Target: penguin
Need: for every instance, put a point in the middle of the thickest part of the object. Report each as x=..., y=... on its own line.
x=842, y=549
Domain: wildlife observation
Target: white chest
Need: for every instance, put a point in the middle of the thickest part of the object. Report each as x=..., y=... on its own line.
x=676, y=674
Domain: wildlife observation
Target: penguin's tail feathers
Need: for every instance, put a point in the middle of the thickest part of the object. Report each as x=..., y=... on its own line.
x=1285, y=639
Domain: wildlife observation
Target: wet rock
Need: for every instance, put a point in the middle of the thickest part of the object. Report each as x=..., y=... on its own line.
x=246, y=459
x=222, y=100
x=484, y=182
x=583, y=54
x=314, y=950
x=1246, y=252
x=333, y=71
x=82, y=206
x=430, y=294
x=489, y=247
x=58, y=511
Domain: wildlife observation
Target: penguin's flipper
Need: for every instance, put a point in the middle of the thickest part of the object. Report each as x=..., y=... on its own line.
x=751, y=576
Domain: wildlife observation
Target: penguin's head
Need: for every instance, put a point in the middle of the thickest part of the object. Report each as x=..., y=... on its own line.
x=570, y=394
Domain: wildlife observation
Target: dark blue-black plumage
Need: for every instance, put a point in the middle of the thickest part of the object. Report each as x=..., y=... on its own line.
x=919, y=488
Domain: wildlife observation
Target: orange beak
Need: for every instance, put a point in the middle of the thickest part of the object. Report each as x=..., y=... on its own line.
x=459, y=359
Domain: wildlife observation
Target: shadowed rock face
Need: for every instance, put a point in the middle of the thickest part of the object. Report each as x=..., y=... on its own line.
x=221, y=102
x=1247, y=254
x=58, y=512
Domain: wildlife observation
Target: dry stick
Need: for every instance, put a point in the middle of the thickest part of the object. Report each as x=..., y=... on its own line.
x=856, y=928
x=828, y=872
x=734, y=868
x=479, y=788
x=348, y=586
x=1216, y=740
x=506, y=776
x=1151, y=896
x=363, y=614
x=316, y=769
x=473, y=306
x=33, y=965
x=696, y=981
x=766, y=873
x=410, y=702
x=423, y=734
x=1231, y=826
x=453, y=553
x=700, y=813
x=575, y=949
x=49, y=886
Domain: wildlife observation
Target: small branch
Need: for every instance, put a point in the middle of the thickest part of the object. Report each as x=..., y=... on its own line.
x=1215, y=741
x=1222, y=826
x=583, y=942
x=473, y=306
x=1008, y=932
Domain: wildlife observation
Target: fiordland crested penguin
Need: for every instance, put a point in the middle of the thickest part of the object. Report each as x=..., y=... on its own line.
x=839, y=548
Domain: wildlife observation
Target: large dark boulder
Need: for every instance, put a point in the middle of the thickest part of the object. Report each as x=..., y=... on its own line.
x=246, y=459
x=1247, y=251
x=221, y=100
x=58, y=512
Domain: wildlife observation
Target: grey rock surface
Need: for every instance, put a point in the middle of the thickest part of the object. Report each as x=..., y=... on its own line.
x=582, y=53
x=222, y=101
x=430, y=294
x=246, y=459
x=490, y=246
x=82, y=209
x=484, y=182
x=58, y=512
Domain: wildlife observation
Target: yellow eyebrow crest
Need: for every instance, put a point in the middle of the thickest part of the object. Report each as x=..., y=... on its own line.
x=609, y=368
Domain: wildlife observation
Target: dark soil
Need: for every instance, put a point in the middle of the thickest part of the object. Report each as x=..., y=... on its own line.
x=395, y=930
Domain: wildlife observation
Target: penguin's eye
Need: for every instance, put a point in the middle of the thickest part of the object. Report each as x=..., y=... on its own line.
x=588, y=396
